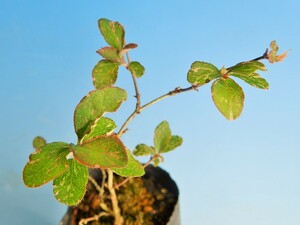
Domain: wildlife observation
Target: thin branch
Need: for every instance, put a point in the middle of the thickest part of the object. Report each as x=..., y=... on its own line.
x=170, y=93
x=93, y=218
x=94, y=182
x=104, y=176
x=114, y=200
x=137, y=93
x=101, y=190
x=263, y=56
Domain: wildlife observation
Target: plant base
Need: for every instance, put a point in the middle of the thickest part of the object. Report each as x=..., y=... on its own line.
x=150, y=200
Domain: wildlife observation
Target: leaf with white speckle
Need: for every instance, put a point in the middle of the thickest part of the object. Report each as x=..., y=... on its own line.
x=100, y=127
x=106, y=151
x=113, y=33
x=246, y=71
x=70, y=187
x=228, y=97
x=110, y=53
x=94, y=106
x=46, y=163
x=105, y=73
x=136, y=69
x=201, y=73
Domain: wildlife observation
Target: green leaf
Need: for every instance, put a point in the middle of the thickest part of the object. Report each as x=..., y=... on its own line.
x=201, y=73
x=143, y=150
x=101, y=126
x=228, y=97
x=246, y=68
x=162, y=136
x=101, y=152
x=133, y=168
x=136, y=69
x=254, y=80
x=46, y=163
x=94, y=106
x=113, y=33
x=110, y=53
x=247, y=72
x=105, y=73
x=38, y=142
x=70, y=187
x=175, y=142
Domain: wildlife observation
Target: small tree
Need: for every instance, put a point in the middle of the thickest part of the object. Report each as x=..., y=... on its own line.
x=99, y=145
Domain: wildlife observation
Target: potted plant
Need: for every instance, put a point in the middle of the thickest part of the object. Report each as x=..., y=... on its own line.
x=98, y=176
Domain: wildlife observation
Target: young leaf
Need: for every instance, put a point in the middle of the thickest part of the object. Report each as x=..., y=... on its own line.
x=113, y=33
x=69, y=188
x=272, y=55
x=94, y=106
x=143, y=150
x=162, y=136
x=133, y=169
x=38, y=142
x=127, y=48
x=157, y=161
x=136, y=69
x=246, y=68
x=228, y=97
x=101, y=152
x=105, y=73
x=101, y=126
x=110, y=53
x=175, y=142
x=246, y=72
x=201, y=73
x=46, y=163
x=254, y=79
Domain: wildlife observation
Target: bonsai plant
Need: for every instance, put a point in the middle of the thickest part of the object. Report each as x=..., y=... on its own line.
x=100, y=162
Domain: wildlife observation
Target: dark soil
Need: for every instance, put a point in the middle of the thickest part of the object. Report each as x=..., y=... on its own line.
x=149, y=200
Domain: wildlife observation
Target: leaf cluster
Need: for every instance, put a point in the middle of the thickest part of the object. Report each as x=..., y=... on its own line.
x=99, y=146
x=164, y=142
x=66, y=164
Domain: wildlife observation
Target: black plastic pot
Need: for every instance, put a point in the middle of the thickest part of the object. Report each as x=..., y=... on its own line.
x=160, y=179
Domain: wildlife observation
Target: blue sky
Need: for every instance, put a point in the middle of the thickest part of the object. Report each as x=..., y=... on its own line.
x=229, y=173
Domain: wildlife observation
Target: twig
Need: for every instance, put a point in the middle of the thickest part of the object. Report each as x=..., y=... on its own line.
x=101, y=190
x=93, y=218
x=264, y=56
x=114, y=200
x=94, y=182
x=170, y=93
x=137, y=93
